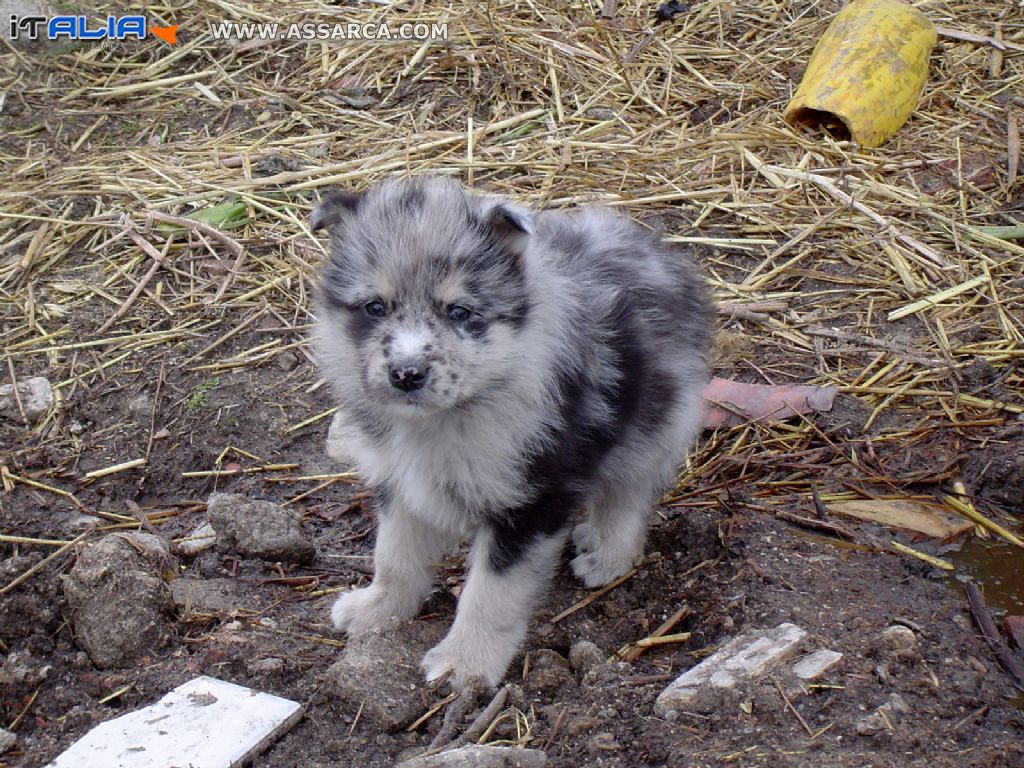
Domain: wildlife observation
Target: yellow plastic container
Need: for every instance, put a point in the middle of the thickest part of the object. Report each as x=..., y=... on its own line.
x=866, y=73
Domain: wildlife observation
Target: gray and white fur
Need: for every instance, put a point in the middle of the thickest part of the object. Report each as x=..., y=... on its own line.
x=501, y=370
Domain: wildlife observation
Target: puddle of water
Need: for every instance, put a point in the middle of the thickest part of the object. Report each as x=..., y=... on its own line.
x=998, y=567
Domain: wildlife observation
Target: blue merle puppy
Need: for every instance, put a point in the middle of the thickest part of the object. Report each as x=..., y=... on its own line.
x=500, y=370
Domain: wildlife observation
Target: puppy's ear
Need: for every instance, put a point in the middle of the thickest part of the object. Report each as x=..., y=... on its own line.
x=333, y=208
x=510, y=226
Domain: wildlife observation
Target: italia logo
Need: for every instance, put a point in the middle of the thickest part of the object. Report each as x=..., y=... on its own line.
x=83, y=28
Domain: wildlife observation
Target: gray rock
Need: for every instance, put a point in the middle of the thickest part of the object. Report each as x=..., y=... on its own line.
x=584, y=656
x=258, y=529
x=119, y=604
x=23, y=669
x=895, y=638
x=480, y=756
x=738, y=661
x=35, y=396
x=379, y=671
x=7, y=740
x=884, y=718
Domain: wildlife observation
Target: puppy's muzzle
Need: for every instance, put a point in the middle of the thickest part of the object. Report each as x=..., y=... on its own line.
x=408, y=378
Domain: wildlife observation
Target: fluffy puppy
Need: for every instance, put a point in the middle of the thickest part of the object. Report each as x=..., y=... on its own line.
x=500, y=370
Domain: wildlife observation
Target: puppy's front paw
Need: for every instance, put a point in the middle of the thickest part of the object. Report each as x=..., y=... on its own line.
x=600, y=561
x=466, y=665
x=361, y=610
x=585, y=538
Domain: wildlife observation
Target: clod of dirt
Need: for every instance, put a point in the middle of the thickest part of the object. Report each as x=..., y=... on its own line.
x=35, y=397
x=548, y=672
x=7, y=740
x=480, y=756
x=584, y=656
x=118, y=600
x=260, y=529
x=997, y=473
x=884, y=717
x=379, y=671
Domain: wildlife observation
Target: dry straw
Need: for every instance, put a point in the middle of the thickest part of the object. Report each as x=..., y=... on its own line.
x=866, y=269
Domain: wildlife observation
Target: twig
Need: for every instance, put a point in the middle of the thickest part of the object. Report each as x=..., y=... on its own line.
x=791, y=708
x=983, y=619
x=598, y=594
x=666, y=626
x=43, y=563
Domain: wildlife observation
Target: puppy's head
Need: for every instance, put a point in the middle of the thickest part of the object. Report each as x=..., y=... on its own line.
x=423, y=299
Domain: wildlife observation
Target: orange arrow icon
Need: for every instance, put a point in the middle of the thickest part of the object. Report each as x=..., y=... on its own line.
x=168, y=34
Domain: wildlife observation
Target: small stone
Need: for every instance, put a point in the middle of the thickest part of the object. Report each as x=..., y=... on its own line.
x=201, y=539
x=379, y=672
x=287, y=360
x=814, y=665
x=584, y=656
x=7, y=740
x=548, y=672
x=141, y=407
x=268, y=666
x=260, y=529
x=480, y=756
x=741, y=659
x=23, y=669
x=896, y=638
x=883, y=718
x=35, y=396
x=120, y=606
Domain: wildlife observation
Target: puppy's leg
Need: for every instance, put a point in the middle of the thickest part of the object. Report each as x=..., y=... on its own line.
x=611, y=540
x=406, y=550
x=495, y=607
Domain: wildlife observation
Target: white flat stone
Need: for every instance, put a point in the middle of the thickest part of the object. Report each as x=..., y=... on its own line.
x=814, y=665
x=205, y=723
x=740, y=659
x=35, y=397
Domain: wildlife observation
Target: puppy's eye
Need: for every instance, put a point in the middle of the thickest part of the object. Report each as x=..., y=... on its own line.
x=459, y=313
x=376, y=309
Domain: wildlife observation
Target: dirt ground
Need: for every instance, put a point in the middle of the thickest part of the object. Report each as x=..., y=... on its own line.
x=202, y=370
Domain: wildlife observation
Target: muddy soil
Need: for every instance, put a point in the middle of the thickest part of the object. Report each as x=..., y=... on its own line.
x=723, y=555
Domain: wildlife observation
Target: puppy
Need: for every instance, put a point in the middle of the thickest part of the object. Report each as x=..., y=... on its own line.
x=500, y=370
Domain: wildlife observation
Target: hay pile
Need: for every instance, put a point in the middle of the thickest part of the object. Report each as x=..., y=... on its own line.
x=869, y=270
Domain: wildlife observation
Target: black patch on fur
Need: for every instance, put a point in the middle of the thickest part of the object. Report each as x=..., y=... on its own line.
x=333, y=208
x=515, y=533
x=358, y=324
x=639, y=396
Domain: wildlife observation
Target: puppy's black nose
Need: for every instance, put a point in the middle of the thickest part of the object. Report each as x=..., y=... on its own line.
x=408, y=377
